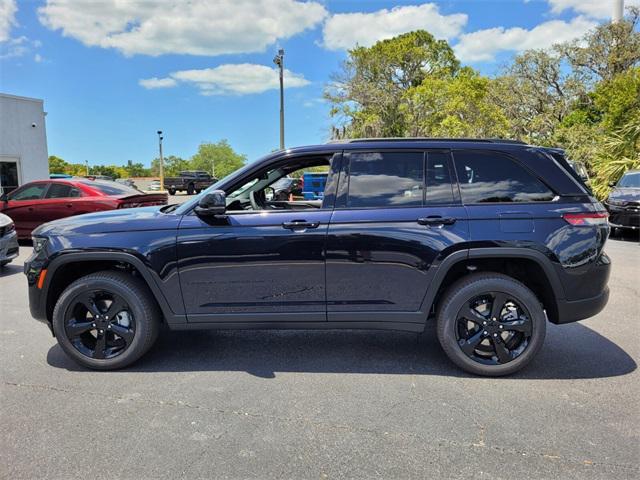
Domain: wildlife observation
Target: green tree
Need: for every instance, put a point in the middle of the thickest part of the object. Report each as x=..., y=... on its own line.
x=608, y=50
x=108, y=170
x=219, y=159
x=455, y=106
x=137, y=170
x=173, y=165
x=57, y=164
x=367, y=94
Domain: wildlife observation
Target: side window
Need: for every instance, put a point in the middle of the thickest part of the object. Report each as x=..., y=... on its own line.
x=28, y=192
x=385, y=179
x=438, y=178
x=58, y=190
x=493, y=177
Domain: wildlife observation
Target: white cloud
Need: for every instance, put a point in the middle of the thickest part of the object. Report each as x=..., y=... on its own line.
x=483, y=45
x=600, y=9
x=196, y=27
x=229, y=79
x=8, y=9
x=156, y=82
x=346, y=30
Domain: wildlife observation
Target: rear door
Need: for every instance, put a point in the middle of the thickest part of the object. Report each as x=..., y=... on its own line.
x=60, y=200
x=397, y=216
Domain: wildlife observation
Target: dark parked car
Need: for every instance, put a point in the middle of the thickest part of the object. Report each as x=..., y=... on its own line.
x=39, y=202
x=489, y=239
x=623, y=202
x=190, y=182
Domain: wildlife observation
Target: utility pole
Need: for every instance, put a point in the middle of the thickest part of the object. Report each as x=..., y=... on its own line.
x=160, y=137
x=618, y=11
x=86, y=164
x=279, y=60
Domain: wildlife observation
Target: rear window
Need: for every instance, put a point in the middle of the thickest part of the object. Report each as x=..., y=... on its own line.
x=112, y=188
x=486, y=176
x=386, y=179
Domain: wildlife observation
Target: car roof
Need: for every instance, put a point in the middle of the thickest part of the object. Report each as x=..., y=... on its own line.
x=409, y=143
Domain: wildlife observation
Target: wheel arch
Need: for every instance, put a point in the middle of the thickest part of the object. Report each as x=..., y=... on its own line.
x=531, y=267
x=66, y=268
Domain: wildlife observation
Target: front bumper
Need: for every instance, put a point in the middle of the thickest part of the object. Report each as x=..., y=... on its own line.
x=9, y=248
x=624, y=216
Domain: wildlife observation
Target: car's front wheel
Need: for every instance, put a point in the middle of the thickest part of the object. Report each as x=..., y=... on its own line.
x=490, y=324
x=106, y=320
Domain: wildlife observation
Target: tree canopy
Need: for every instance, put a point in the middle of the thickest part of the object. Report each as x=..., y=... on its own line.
x=583, y=95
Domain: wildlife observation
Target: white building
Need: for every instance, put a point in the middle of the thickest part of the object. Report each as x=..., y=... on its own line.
x=23, y=141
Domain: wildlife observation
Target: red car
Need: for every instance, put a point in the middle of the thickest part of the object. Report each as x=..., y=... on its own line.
x=42, y=201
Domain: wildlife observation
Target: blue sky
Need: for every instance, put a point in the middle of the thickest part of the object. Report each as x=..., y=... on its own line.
x=112, y=72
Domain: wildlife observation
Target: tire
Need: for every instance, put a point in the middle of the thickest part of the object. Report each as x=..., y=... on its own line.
x=190, y=189
x=139, y=305
x=198, y=190
x=172, y=191
x=488, y=358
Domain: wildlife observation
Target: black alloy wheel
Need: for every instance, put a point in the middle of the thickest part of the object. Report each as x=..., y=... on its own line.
x=493, y=328
x=100, y=324
x=490, y=324
x=106, y=320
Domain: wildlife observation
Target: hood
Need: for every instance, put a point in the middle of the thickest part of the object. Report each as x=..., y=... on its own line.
x=625, y=194
x=124, y=220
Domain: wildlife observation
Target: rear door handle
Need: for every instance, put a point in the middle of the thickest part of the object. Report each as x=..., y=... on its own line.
x=300, y=225
x=436, y=220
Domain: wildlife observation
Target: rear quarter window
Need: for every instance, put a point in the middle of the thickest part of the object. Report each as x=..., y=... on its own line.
x=493, y=177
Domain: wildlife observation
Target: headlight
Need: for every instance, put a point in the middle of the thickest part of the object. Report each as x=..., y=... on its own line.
x=617, y=203
x=9, y=228
x=38, y=244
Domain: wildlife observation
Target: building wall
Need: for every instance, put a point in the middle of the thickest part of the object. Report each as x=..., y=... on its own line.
x=20, y=139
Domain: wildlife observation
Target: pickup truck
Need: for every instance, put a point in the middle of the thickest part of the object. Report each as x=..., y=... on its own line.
x=189, y=181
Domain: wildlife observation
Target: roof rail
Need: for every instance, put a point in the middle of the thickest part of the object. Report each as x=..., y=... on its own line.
x=428, y=139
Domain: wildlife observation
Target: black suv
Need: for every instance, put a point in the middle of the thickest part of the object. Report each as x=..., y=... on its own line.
x=488, y=238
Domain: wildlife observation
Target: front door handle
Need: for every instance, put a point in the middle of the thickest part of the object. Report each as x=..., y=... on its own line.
x=300, y=225
x=436, y=220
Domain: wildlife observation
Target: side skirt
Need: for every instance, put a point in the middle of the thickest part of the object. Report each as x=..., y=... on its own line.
x=275, y=325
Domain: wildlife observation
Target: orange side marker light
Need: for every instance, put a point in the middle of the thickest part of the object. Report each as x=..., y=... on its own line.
x=43, y=274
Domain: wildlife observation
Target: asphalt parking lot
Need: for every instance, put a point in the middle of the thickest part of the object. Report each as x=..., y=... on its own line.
x=323, y=404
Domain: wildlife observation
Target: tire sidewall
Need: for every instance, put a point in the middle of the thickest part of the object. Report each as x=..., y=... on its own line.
x=66, y=301
x=463, y=292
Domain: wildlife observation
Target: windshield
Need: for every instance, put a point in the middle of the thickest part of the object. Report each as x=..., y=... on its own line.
x=630, y=180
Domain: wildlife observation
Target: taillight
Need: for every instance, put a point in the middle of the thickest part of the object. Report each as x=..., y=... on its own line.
x=586, y=219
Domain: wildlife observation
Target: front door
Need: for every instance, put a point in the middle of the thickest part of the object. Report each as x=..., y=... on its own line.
x=263, y=262
x=397, y=215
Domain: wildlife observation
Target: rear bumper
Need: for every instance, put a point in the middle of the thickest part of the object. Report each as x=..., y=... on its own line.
x=572, y=311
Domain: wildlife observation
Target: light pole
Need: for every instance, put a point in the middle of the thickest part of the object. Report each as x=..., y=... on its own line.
x=160, y=137
x=86, y=164
x=279, y=60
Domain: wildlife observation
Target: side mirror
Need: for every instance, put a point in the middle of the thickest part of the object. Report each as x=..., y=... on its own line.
x=212, y=203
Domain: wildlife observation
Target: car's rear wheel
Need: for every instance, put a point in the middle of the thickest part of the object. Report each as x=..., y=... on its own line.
x=490, y=324
x=172, y=191
x=190, y=189
x=106, y=320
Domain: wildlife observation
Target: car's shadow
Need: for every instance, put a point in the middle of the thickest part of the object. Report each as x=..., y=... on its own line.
x=570, y=352
x=10, y=269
